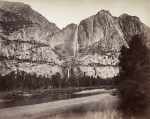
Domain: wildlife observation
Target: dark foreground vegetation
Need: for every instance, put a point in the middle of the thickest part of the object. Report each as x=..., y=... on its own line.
x=134, y=78
x=22, y=81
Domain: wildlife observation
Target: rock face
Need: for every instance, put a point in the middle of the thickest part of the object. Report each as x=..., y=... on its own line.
x=100, y=39
x=30, y=43
x=24, y=39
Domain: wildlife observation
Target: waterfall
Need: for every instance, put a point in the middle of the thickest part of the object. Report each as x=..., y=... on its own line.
x=68, y=72
x=75, y=50
x=76, y=42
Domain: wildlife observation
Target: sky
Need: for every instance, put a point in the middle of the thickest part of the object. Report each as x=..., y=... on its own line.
x=63, y=12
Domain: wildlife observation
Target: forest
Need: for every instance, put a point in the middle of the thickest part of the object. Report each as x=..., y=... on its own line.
x=25, y=81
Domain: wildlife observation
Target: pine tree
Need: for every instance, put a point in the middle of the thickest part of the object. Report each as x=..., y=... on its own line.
x=134, y=78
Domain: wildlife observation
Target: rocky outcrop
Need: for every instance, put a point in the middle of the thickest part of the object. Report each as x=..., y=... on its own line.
x=15, y=15
x=63, y=42
x=101, y=38
x=24, y=39
x=101, y=31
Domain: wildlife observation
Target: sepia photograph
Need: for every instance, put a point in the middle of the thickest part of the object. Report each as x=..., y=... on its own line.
x=74, y=59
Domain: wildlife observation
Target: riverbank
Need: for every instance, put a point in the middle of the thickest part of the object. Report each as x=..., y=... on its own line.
x=47, y=110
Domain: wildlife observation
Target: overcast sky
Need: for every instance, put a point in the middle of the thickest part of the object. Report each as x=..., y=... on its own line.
x=63, y=12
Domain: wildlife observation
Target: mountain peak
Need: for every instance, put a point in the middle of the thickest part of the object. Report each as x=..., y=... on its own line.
x=16, y=15
x=72, y=25
x=127, y=16
x=104, y=12
x=13, y=6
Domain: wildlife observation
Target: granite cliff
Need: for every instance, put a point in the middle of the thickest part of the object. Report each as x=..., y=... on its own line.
x=30, y=43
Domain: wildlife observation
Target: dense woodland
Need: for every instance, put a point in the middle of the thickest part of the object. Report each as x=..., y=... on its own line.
x=22, y=81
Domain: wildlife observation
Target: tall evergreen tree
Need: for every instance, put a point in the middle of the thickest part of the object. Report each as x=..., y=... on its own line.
x=134, y=78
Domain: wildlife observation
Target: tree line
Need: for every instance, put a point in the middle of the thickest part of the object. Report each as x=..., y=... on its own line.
x=22, y=81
